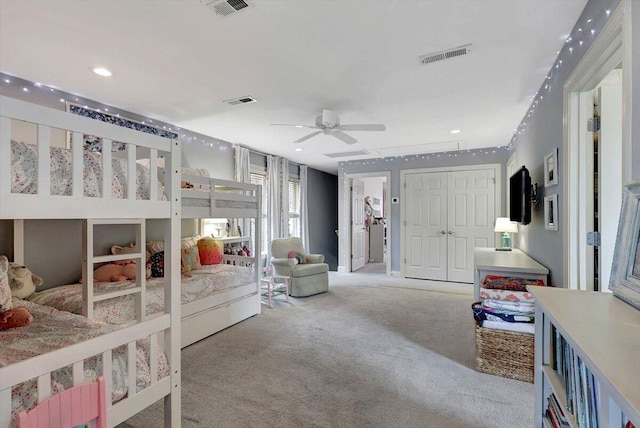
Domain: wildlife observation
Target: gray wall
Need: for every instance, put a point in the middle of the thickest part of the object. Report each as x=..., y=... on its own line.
x=542, y=134
x=634, y=70
x=396, y=165
x=323, y=215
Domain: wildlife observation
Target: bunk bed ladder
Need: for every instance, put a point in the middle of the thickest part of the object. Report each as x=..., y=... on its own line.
x=89, y=295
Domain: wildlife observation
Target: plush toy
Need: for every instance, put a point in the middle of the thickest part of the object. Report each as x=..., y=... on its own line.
x=16, y=317
x=21, y=281
x=121, y=270
x=210, y=251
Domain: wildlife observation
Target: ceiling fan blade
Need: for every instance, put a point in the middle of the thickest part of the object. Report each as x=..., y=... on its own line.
x=363, y=127
x=297, y=126
x=307, y=137
x=344, y=137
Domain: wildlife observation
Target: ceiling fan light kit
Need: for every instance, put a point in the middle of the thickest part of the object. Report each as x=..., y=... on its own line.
x=329, y=124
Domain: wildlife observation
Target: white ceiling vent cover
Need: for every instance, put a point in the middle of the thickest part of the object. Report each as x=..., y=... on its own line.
x=242, y=100
x=448, y=54
x=347, y=154
x=224, y=8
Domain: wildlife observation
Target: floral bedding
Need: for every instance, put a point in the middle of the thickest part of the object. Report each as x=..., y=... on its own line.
x=24, y=170
x=53, y=329
x=197, y=284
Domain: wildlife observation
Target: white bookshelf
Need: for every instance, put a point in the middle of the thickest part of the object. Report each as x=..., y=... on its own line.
x=604, y=332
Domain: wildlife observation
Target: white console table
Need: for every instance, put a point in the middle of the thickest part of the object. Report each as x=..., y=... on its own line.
x=488, y=261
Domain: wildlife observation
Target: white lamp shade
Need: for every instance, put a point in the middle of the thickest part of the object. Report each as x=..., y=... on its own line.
x=504, y=224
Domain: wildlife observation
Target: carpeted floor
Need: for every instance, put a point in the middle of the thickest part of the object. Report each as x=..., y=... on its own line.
x=372, y=352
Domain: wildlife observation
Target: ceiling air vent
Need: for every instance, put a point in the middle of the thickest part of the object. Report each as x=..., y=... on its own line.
x=448, y=54
x=225, y=8
x=241, y=100
x=347, y=154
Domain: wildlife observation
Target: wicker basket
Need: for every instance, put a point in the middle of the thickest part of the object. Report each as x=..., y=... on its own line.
x=505, y=353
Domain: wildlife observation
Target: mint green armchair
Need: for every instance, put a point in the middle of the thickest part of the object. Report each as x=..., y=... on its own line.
x=304, y=279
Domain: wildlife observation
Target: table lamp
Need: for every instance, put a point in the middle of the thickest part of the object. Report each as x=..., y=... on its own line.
x=506, y=226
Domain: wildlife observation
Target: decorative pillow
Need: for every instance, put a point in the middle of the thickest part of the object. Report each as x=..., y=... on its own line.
x=509, y=283
x=157, y=264
x=190, y=260
x=155, y=246
x=210, y=251
x=6, y=302
x=299, y=257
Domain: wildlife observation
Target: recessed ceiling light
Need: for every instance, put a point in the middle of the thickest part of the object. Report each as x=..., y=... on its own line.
x=299, y=126
x=101, y=71
x=455, y=131
x=298, y=149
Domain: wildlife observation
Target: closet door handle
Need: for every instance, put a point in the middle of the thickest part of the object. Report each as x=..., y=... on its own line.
x=451, y=232
x=442, y=232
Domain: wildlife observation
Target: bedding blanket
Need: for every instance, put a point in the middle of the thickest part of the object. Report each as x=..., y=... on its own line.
x=198, y=284
x=52, y=330
x=508, y=295
x=24, y=173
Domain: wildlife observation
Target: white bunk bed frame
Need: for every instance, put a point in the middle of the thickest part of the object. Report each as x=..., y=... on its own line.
x=232, y=200
x=160, y=329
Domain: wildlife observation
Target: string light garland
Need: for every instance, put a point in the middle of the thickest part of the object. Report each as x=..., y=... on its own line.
x=55, y=96
x=580, y=37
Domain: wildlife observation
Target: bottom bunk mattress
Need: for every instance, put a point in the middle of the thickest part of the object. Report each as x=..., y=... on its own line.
x=51, y=330
x=196, y=284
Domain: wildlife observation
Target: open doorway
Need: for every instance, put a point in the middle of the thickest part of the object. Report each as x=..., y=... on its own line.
x=594, y=160
x=370, y=223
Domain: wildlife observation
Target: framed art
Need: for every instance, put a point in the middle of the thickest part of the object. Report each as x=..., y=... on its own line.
x=625, y=269
x=551, y=212
x=551, y=168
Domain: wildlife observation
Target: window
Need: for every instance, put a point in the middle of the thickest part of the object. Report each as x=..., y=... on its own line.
x=294, y=208
x=261, y=179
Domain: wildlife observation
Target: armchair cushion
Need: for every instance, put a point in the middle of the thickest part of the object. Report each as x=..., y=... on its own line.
x=299, y=271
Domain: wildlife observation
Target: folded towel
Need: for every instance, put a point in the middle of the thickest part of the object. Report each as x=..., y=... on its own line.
x=525, y=307
x=512, y=296
x=509, y=282
x=519, y=327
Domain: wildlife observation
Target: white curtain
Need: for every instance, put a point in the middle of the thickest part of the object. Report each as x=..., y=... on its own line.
x=284, y=198
x=304, y=211
x=243, y=175
x=273, y=197
x=243, y=165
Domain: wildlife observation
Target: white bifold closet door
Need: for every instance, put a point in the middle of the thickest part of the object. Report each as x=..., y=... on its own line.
x=447, y=215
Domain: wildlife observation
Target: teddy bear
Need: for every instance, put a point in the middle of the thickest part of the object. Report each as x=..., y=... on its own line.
x=120, y=270
x=16, y=317
x=21, y=281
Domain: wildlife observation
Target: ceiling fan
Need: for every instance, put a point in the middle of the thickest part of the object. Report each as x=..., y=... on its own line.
x=329, y=124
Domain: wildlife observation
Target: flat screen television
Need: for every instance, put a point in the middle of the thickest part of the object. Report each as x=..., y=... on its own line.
x=520, y=196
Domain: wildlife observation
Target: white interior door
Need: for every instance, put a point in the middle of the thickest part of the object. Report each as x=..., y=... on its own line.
x=471, y=213
x=426, y=225
x=610, y=184
x=357, y=225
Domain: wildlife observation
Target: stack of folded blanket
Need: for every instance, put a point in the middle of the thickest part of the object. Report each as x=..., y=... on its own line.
x=506, y=304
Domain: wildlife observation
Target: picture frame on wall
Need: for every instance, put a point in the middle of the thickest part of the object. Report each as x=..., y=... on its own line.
x=551, y=168
x=551, y=212
x=625, y=269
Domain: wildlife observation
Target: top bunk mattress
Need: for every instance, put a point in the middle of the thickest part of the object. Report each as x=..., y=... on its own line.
x=196, y=284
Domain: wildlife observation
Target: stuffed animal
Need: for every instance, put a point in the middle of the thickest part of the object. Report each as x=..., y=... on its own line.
x=16, y=317
x=21, y=281
x=121, y=270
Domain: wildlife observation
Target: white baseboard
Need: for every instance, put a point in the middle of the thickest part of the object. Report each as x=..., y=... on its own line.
x=396, y=274
x=342, y=269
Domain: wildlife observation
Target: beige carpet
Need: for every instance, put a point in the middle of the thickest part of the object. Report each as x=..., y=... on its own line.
x=372, y=352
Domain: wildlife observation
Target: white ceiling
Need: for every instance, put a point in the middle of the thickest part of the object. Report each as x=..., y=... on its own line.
x=177, y=61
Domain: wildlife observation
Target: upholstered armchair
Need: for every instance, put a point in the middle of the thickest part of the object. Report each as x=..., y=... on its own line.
x=306, y=279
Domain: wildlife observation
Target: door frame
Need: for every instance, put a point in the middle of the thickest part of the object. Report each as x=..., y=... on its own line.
x=496, y=167
x=387, y=207
x=605, y=53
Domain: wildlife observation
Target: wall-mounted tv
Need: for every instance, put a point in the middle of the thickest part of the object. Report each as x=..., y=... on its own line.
x=520, y=196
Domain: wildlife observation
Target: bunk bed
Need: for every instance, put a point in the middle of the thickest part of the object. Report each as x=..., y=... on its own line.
x=213, y=297
x=100, y=346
